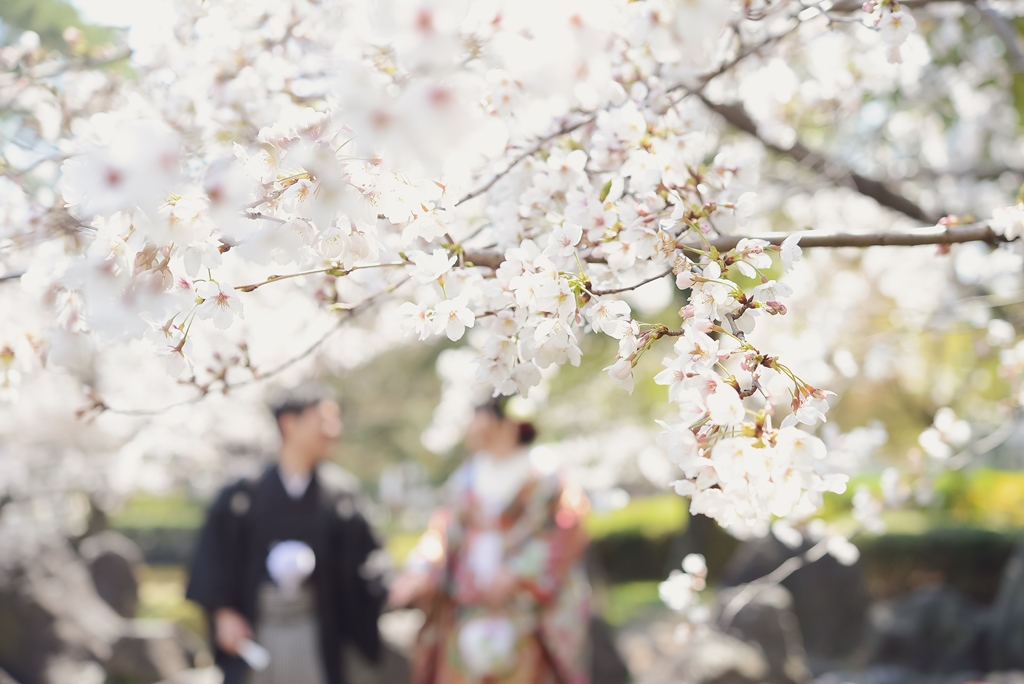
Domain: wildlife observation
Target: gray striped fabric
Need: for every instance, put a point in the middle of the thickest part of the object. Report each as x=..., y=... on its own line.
x=288, y=629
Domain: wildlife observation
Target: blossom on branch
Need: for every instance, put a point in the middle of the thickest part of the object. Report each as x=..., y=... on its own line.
x=220, y=303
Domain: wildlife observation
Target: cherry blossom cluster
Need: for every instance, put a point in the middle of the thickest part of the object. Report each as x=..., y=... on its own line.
x=509, y=172
x=371, y=182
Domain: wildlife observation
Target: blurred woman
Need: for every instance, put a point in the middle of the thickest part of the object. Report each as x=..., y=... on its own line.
x=499, y=571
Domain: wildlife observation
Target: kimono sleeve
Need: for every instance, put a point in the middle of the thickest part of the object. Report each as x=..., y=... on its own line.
x=429, y=559
x=544, y=561
x=215, y=575
x=429, y=563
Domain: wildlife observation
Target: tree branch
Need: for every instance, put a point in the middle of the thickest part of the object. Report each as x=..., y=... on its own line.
x=751, y=589
x=737, y=116
x=934, y=235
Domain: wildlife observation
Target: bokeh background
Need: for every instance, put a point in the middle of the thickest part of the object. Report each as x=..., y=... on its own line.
x=912, y=342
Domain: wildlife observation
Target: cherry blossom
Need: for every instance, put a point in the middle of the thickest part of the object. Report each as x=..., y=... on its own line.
x=790, y=251
x=894, y=27
x=565, y=238
x=220, y=304
x=725, y=407
x=418, y=319
x=452, y=317
x=429, y=268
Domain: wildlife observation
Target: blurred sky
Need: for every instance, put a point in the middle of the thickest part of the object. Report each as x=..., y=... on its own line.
x=149, y=22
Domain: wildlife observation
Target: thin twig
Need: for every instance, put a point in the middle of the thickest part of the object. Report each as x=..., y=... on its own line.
x=334, y=270
x=349, y=313
x=529, y=152
x=992, y=440
x=752, y=589
x=600, y=293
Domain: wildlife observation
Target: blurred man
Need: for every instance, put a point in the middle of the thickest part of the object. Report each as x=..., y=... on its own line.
x=282, y=561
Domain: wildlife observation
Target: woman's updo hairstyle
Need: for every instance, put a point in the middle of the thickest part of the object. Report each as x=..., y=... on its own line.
x=497, y=407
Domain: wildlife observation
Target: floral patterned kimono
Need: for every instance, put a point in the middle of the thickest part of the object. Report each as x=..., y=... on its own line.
x=504, y=516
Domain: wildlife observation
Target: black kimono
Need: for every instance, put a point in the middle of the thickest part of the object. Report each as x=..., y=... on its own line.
x=244, y=522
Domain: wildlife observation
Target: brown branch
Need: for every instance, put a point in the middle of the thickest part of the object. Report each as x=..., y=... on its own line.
x=935, y=235
x=737, y=116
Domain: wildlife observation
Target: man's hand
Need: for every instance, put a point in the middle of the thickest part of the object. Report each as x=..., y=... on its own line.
x=231, y=629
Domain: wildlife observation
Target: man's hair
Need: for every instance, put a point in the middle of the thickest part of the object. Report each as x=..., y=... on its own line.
x=298, y=400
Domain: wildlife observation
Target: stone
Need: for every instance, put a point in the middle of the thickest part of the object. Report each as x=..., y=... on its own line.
x=661, y=649
x=883, y=674
x=896, y=674
x=113, y=562
x=764, y=616
x=1006, y=640
x=54, y=627
x=148, y=651
x=830, y=600
x=70, y=671
x=933, y=630
x=204, y=675
x=1010, y=677
x=711, y=657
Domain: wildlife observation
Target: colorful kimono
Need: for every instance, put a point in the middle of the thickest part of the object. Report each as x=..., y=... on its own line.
x=534, y=532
